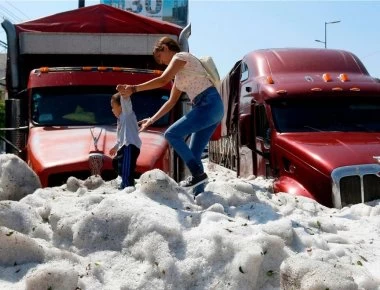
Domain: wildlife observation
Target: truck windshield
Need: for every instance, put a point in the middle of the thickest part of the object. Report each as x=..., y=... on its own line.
x=81, y=108
x=343, y=115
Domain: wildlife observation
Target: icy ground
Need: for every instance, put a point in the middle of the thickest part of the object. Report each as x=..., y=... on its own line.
x=235, y=235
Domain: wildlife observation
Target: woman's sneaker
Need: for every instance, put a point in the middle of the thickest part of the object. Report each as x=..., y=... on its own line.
x=193, y=181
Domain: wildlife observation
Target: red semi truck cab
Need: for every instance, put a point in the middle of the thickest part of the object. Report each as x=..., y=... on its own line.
x=72, y=128
x=309, y=118
x=61, y=73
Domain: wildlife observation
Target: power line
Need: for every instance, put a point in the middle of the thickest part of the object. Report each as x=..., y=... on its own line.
x=9, y=14
x=3, y=44
x=3, y=39
x=20, y=11
x=371, y=54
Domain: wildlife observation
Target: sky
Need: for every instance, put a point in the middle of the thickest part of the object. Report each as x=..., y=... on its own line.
x=87, y=235
x=227, y=30
x=235, y=235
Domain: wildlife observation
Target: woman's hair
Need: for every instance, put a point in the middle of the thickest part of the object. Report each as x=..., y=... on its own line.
x=170, y=43
x=116, y=98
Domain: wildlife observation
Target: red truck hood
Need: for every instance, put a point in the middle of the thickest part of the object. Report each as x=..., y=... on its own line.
x=59, y=146
x=327, y=151
x=68, y=149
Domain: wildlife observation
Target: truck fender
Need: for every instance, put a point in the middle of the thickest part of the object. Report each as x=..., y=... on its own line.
x=292, y=186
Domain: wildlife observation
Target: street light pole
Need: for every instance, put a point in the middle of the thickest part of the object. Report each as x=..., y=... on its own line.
x=325, y=42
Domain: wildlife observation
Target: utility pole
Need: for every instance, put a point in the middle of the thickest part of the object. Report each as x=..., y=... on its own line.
x=325, y=42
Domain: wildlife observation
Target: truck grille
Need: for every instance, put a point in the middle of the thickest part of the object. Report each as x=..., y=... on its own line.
x=355, y=184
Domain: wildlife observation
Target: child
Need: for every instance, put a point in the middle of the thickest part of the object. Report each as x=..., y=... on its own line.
x=127, y=148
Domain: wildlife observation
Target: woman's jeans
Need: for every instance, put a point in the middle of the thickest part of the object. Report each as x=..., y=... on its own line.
x=201, y=122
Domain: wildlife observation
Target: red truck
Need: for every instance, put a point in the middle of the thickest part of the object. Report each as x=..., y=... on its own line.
x=309, y=118
x=61, y=72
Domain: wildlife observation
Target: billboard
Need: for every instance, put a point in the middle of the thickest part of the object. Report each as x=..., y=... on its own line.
x=174, y=11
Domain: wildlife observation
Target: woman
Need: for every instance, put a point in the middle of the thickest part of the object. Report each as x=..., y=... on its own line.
x=207, y=107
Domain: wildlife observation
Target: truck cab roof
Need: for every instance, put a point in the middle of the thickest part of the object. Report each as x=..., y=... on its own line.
x=306, y=60
x=289, y=72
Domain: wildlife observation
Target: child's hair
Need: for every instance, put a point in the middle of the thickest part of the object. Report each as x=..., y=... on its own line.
x=116, y=98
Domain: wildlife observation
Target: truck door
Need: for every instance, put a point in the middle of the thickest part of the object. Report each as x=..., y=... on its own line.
x=246, y=141
x=262, y=140
x=254, y=133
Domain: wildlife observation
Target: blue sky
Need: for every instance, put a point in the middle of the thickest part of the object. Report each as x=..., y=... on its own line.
x=227, y=30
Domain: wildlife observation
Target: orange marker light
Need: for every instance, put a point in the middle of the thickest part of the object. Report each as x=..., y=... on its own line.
x=87, y=68
x=116, y=69
x=102, y=68
x=44, y=69
x=337, y=89
x=270, y=80
x=316, y=89
x=326, y=77
x=343, y=77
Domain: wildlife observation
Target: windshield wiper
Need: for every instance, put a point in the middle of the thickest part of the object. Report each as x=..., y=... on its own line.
x=312, y=128
x=364, y=128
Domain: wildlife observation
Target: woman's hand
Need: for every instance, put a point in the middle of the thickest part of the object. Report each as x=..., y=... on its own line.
x=125, y=90
x=113, y=151
x=144, y=124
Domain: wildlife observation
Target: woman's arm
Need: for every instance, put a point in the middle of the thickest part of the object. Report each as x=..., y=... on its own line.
x=166, y=107
x=174, y=66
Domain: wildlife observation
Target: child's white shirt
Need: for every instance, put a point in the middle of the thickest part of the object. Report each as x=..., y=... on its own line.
x=127, y=128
